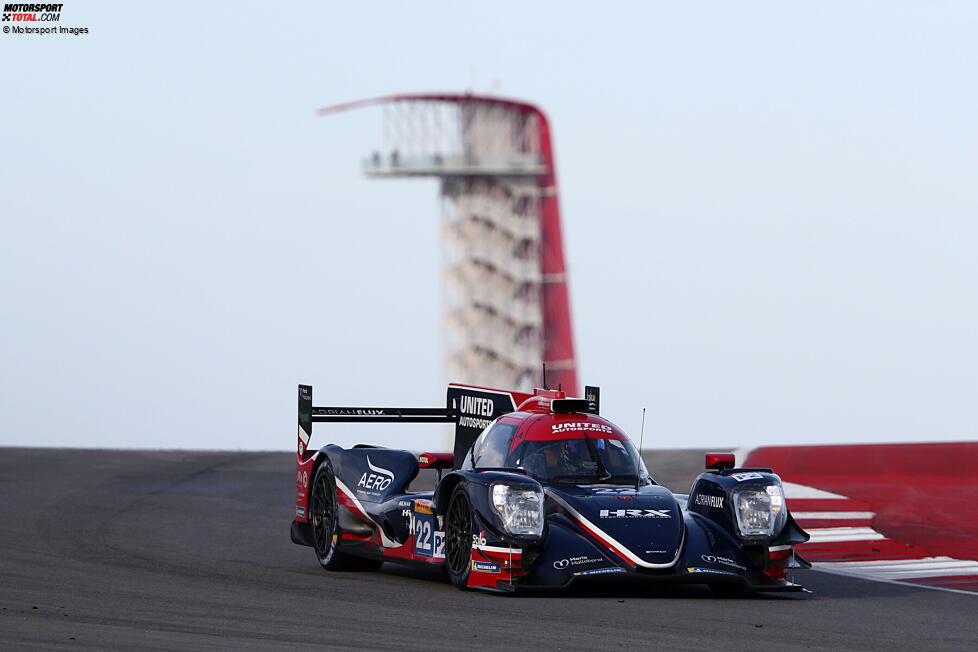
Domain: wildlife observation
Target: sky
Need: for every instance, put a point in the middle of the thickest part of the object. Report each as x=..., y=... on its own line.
x=769, y=215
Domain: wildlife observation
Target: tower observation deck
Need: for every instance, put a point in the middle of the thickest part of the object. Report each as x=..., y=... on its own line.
x=506, y=307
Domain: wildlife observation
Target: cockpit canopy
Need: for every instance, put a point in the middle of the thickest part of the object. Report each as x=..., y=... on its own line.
x=575, y=448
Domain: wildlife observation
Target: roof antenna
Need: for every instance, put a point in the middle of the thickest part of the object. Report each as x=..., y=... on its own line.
x=638, y=466
x=545, y=376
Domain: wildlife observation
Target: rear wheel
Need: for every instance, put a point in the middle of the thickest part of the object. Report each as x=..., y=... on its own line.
x=458, y=537
x=325, y=519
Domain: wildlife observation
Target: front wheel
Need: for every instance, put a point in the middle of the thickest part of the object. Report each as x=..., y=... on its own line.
x=458, y=537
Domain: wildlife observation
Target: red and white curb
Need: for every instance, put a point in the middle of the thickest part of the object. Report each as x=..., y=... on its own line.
x=845, y=542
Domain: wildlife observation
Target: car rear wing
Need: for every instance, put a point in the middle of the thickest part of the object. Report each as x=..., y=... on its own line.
x=470, y=408
x=310, y=414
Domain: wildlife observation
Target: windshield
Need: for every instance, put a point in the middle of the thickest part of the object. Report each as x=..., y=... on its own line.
x=580, y=460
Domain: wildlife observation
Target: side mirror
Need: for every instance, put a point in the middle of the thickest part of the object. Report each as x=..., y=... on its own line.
x=437, y=461
x=719, y=461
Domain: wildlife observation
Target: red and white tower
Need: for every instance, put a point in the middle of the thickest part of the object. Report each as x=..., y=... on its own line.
x=506, y=301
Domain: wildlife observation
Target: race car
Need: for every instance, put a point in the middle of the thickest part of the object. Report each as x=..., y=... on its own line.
x=540, y=491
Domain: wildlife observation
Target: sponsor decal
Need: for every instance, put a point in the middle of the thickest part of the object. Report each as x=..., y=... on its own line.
x=484, y=567
x=655, y=552
x=25, y=16
x=422, y=535
x=580, y=560
x=404, y=503
x=635, y=513
x=710, y=559
x=18, y=12
x=482, y=407
x=380, y=479
x=300, y=512
x=479, y=539
x=351, y=412
x=751, y=475
x=731, y=563
x=581, y=425
x=429, y=541
x=471, y=422
x=715, y=502
x=439, y=543
x=693, y=569
x=593, y=394
x=613, y=491
x=600, y=571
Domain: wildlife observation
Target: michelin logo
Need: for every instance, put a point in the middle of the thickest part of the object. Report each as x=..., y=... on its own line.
x=601, y=571
x=484, y=567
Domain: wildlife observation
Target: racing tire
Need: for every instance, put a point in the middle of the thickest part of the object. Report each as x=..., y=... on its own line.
x=324, y=518
x=458, y=537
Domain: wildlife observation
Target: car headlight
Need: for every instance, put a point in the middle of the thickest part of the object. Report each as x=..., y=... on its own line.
x=760, y=510
x=519, y=508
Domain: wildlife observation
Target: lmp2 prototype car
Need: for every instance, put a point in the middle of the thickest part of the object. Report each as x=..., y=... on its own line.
x=542, y=492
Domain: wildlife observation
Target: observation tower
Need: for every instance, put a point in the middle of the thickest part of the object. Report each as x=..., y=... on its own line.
x=506, y=306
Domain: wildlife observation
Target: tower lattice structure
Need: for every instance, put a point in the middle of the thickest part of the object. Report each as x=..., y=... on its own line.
x=506, y=304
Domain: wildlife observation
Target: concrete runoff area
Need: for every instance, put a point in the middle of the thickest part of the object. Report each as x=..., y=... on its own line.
x=179, y=549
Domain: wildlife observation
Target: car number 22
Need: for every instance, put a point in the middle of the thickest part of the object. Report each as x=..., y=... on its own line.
x=428, y=542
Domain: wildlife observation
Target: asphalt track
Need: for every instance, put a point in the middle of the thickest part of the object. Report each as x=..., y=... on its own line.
x=163, y=550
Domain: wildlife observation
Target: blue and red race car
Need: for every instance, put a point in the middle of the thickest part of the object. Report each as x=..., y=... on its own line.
x=541, y=491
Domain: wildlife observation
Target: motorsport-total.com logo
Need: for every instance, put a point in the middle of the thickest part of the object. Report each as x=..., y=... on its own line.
x=28, y=19
x=29, y=13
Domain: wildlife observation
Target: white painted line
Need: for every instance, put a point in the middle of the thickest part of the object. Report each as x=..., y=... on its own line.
x=890, y=571
x=834, y=515
x=792, y=490
x=904, y=568
x=838, y=534
x=907, y=585
x=894, y=564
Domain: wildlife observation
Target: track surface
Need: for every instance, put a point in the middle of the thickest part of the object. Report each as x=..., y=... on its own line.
x=921, y=493
x=190, y=550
